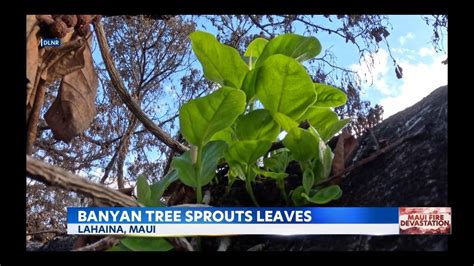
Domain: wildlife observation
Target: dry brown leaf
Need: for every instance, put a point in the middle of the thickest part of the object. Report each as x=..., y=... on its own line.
x=30, y=22
x=350, y=144
x=346, y=144
x=338, y=160
x=32, y=58
x=74, y=108
x=62, y=60
x=399, y=72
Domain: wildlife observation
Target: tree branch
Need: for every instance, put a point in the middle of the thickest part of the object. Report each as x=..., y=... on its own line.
x=58, y=177
x=125, y=96
x=34, y=117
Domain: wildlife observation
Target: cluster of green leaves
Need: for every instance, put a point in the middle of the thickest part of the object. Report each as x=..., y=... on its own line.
x=225, y=125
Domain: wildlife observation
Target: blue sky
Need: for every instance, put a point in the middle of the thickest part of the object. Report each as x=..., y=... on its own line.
x=410, y=43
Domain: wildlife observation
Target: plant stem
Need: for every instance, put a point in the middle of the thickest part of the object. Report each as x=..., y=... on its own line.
x=251, y=104
x=198, y=194
x=281, y=185
x=199, y=245
x=198, y=167
x=248, y=186
x=229, y=187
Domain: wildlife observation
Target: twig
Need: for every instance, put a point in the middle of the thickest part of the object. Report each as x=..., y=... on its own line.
x=108, y=142
x=131, y=104
x=334, y=66
x=103, y=244
x=109, y=166
x=260, y=26
x=34, y=117
x=54, y=231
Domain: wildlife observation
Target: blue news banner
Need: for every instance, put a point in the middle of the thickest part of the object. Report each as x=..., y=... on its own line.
x=175, y=221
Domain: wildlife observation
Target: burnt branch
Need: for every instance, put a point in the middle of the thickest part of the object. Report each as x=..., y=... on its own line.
x=61, y=178
x=131, y=104
x=57, y=177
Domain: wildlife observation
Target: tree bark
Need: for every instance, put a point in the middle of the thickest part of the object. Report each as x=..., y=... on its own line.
x=58, y=177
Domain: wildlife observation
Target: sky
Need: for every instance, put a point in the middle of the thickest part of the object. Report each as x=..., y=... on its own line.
x=423, y=72
x=410, y=44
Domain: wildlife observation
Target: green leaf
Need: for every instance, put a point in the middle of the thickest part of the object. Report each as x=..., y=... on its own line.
x=146, y=244
x=296, y=196
x=201, y=118
x=284, y=86
x=221, y=63
x=227, y=135
x=328, y=96
x=303, y=144
x=337, y=126
x=254, y=50
x=325, y=121
x=256, y=47
x=211, y=154
x=236, y=169
x=158, y=188
x=308, y=179
x=247, y=151
x=185, y=169
x=325, y=195
x=295, y=46
x=273, y=175
x=284, y=121
x=248, y=86
x=322, y=167
x=278, y=162
x=143, y=190
x=320, y=118
x=257, y=125
x=119, y=247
